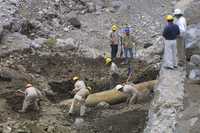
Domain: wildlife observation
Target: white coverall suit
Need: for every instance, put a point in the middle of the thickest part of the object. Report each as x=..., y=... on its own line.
x=31, y=97
x=182, y=24
x=81, y=94
x=131, y=92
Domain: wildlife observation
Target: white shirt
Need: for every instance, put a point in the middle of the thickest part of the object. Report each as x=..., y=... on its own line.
x=114, y=69
x=129, y=89
x=182, y=24
x=79, y=85
x=80, y=89
x=32, y=91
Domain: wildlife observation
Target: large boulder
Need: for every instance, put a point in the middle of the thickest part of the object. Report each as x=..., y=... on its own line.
x=75, y=22
x=195, y=59
x=103, y=105
x=195, y=74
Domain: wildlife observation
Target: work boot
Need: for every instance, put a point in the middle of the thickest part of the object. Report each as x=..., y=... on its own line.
x=167, y=67
x=175, y=66
x=70, y=114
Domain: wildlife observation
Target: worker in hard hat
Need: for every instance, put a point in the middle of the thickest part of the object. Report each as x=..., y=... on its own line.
x=130, y=91
x=114, y=41
x=182, y=24
x=114, y=72
x=170, y=33
x=81, y=93
x=129, y=45
x=32, y=96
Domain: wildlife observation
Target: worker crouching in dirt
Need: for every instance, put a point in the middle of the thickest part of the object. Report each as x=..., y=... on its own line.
x=130, y=91
x=32, y=96
x=81, y=93
x=114, y=72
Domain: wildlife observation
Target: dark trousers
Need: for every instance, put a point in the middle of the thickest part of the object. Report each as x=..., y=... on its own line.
x=114, y=49
x=114, y=80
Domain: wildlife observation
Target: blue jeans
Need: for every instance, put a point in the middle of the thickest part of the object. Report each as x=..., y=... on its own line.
x=126, y=51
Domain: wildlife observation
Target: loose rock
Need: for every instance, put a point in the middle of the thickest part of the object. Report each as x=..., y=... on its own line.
x=75, y=22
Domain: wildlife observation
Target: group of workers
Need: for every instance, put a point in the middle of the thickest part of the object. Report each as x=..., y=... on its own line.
x=82, y=92
x=125, y=40
x=174, y=34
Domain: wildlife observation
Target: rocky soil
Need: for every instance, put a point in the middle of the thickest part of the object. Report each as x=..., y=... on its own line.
x=47, y=42
x=52, y=72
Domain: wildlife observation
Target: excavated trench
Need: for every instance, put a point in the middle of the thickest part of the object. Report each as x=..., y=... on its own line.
x=57, y=71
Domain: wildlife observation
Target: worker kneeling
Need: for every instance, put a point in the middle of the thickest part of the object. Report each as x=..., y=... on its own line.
x=130, y=91
x=32, y=96
x=81, y=93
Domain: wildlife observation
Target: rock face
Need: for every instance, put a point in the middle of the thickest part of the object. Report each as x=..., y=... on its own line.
x=192, y=11
x=168, y=102
x=7, y=10
x=192, y=40
x=44, y=36
x=193, y=51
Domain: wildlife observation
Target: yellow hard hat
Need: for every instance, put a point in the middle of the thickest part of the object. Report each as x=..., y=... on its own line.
x=75, y=78
x=108, y=60
x=28, y=85
x=114, y=27
x=169, y=17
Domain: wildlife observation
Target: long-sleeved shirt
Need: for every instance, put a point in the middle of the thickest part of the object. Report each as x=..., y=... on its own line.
x=130, y=89
x=182, y=24
x=80, y=89
x=32, y=92
x=114, y=69
x=79, y=85
x=83, y=93
x=171, y=31
x=128, y=41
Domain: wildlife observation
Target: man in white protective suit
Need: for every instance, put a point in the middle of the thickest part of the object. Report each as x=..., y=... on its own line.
x=81, y=93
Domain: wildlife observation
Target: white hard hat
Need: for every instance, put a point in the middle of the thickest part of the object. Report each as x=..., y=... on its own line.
x=28, y=85
x=118, y=87
x=178, y=12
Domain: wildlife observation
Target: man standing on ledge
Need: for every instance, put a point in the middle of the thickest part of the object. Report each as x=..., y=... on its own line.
x=182, y=24
x=114, y=37
x=170, y=33
x=129, y=45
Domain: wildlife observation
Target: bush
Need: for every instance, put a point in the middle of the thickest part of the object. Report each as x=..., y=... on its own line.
x=50, y=42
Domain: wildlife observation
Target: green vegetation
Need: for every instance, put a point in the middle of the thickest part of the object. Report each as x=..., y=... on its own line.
x=50, y=42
